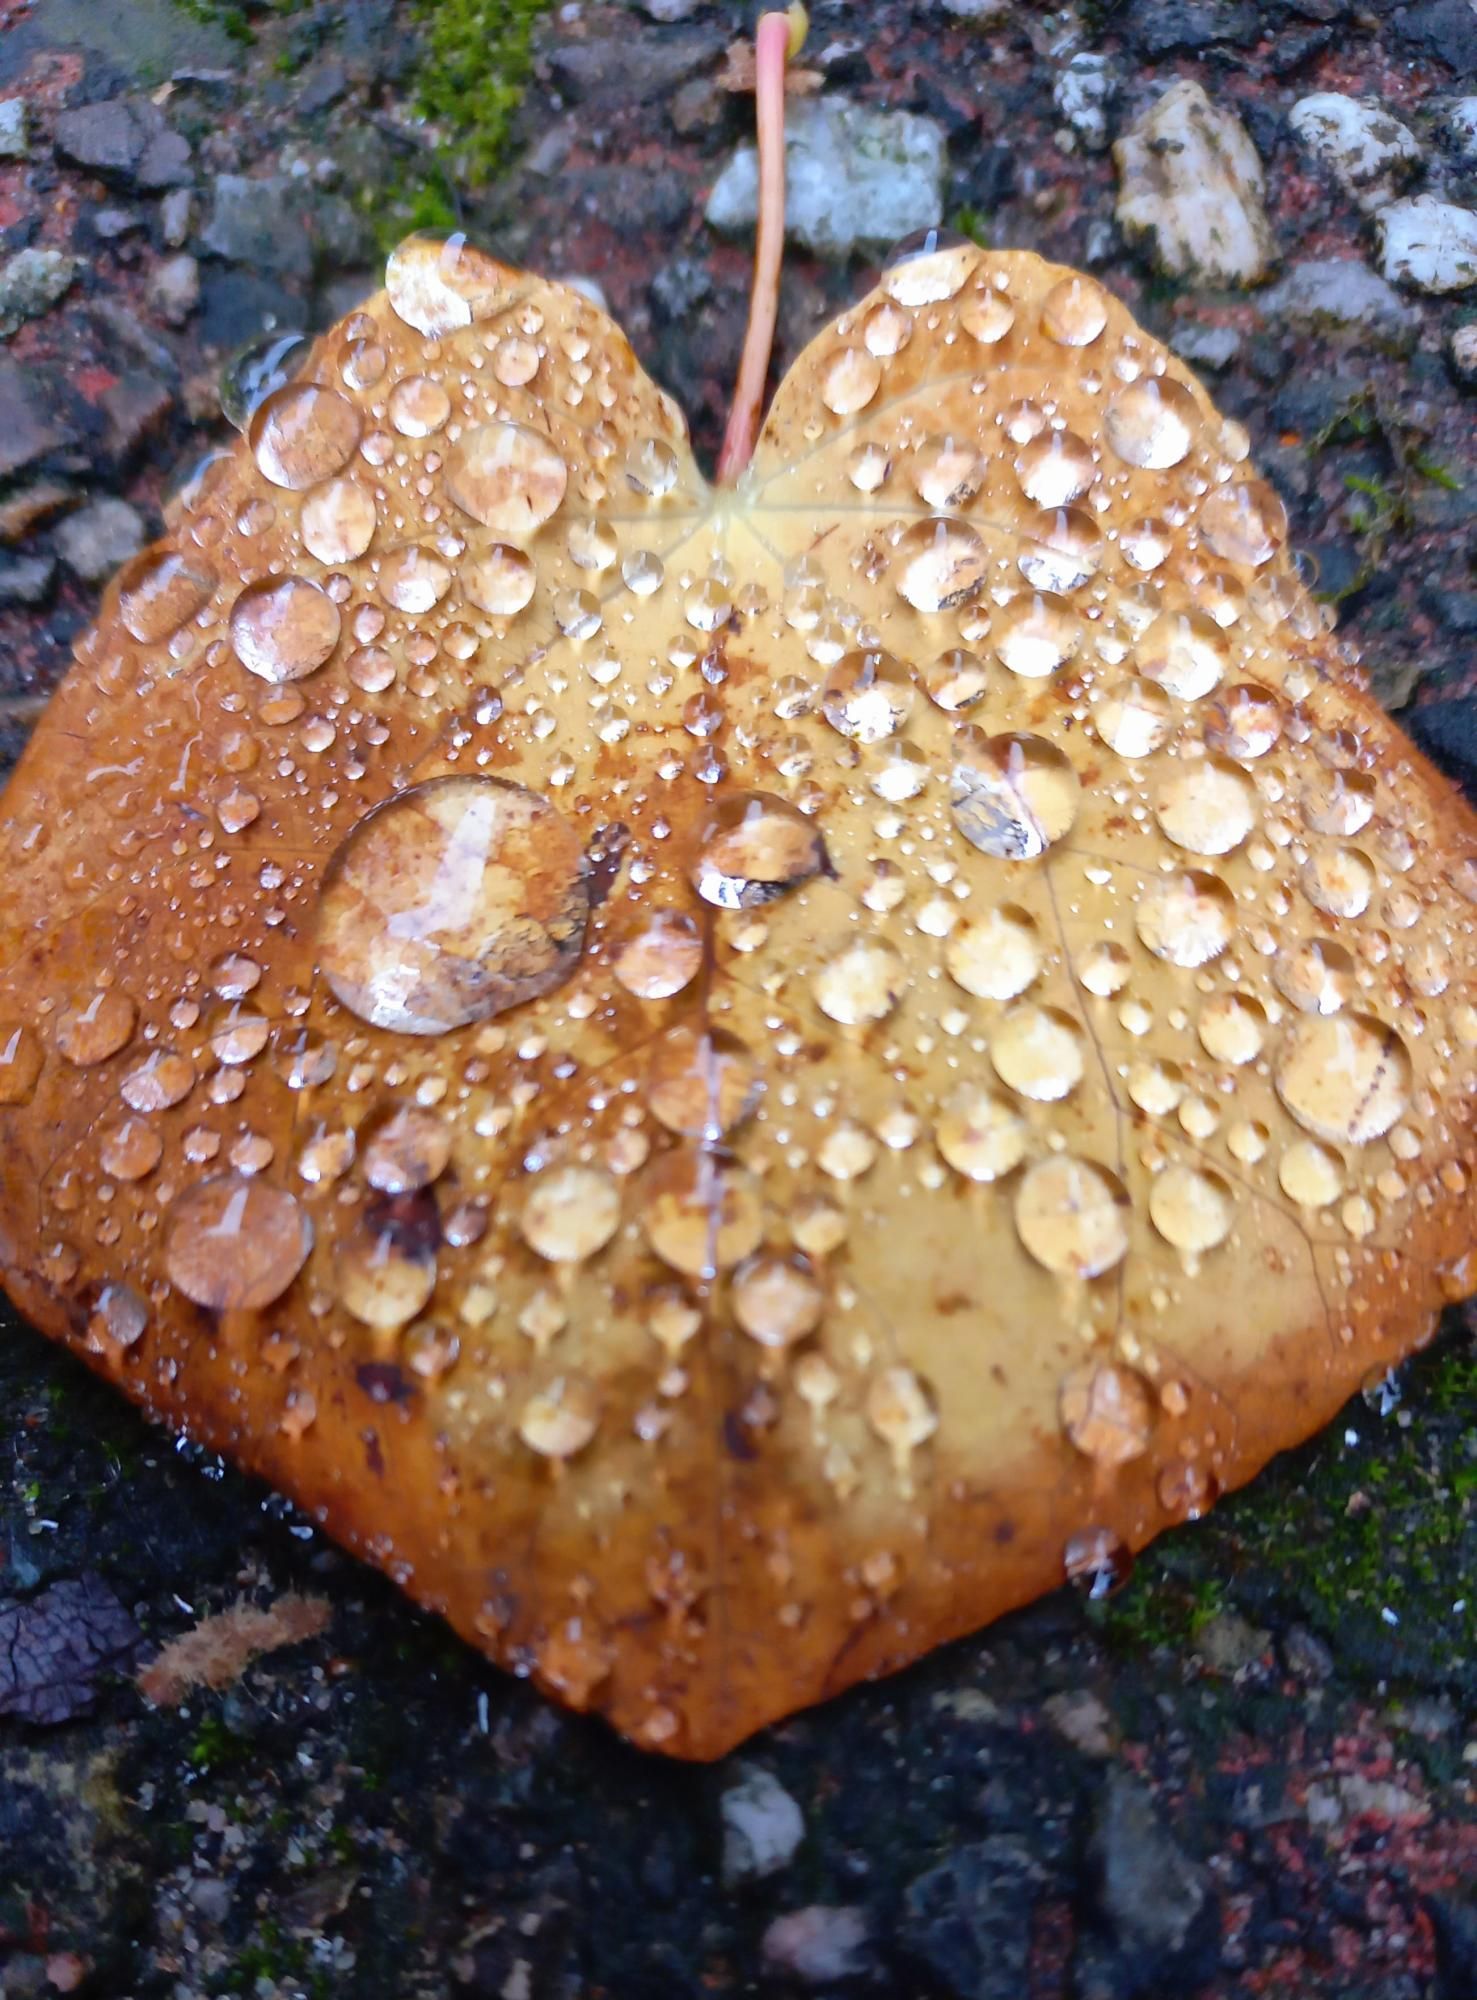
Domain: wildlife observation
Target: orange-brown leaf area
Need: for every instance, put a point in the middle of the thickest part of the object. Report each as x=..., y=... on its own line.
x=730, y=1084
x=216, y=1652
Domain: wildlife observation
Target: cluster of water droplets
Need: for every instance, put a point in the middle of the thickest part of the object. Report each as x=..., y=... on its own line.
x=841, y=956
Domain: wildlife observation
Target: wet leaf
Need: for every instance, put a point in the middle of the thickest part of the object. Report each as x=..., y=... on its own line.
x=54, y=1645
x=730, y=1083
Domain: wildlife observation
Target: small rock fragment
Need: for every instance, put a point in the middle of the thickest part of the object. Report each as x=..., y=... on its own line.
x=1370, y=154
x=1338, y=292
x=1213, y=347
x=762, y=1827
x=15, y=134
x=25, y=579
x=94, y=542
x=1082, y=1720
x=1306, y=1656
x=176, y=212
x=28, y=424
x=818, y=1945
x=260, y=223
x=1429, y=243
x=969, y=1919
x=1191, y=188
x=984, y=13
x=1083, y=94
x=125, y=139
x=174, y=289
x=1156, y=1921
x=1461, y=351
x=854, y=176
x=1228, y=1642
x=31, y=282
x=31, y=506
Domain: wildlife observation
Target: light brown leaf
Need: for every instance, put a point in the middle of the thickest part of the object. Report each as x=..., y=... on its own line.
x=216, y=1652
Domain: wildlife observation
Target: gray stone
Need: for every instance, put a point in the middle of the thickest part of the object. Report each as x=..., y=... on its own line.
x=818, y=1945
x=1370, y=154
x=1083, y=94
x=1306, y=1656
x=95, y=541
x=1191, y=189
x=31, y=282
x=1429, y=243
x=1228, y=1642
x=136, y=406
x=984, y=13
x=1213, y=347
x=1079, y=1718
x=1149, y=1893
x=762, y=1827
x=1337, y=292
x=126, y=139
x=174, y=289
x=26, y=579
x=324, y=84
x=969, y=1919
x=1163, y=27
x=1459, y=126
x=15, y=129
x=28, y=424
x=176, y=213
x=669, y=11
x=855, y=177
x=612, y=71
x=109, y=224
x=1461, y=352
x=262, y=224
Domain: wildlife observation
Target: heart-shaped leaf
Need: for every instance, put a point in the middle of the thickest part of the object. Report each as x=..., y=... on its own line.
x=729, y=1083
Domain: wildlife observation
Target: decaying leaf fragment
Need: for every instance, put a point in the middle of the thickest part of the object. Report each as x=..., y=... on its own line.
x=216, y=1651
x=729, y=1083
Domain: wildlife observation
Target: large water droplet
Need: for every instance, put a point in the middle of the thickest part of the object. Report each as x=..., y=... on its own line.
x=661, y=958
x=1186, y=919
x=1245, y=522
x=1072, y=1216
x=1012, y=796
x=861, y=984
x=570, y=1213
x=160, y=590
x=283, y=629
x=1039, y=1052
x=778, y=1300
x=338, y=521
x=997, y=956
x=1151, y=423
x=1191, y=1209
x=942, y=564
x=235, y=1244
x=979, y=1133
x=507, y=476
x=1107, y=1412
x=849, y=380
x=562, y=1419
x=701, y=1212
x=21, y=1060
x=754, y=848
x=702, y=1082
x=1074, y=312
x=867, y=696
x=1344, y=1077
x=385, y=1266
x=257, y=370
x=303, y=434
x=1205, y=807
x=451, y=902
x=96, y=1029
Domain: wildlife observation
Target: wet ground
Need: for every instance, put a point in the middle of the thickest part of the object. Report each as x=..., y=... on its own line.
x=1250, y=1773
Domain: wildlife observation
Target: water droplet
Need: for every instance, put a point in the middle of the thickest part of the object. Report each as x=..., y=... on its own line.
x=414, y=580
x=651, y=468
x=1072, y=1216
x=303, y=434
x=338, y=521
x=97, y=1029
x=1316, y=975
x=1060, y=550
x=451, y=902
x=956, y=680
x=418, y=406
x=929, y=266
x=701, y=1212
x=943, y=564
x=283, y=629
x=1152, y=423
x=902, y=1411
x=501, y=581
x=256, y=371
x=570, y=1213
x=1338, y=881
x=1104, y=969
x=1012, y=796
x=987, y=317
x=867, y=696
x=235, y=1244
x=408, y=1150
x=946, y=472
x=1231, y=1028
x=778, y=1300
x=849, y=380
x=1245, y=722
x=1185, y=652
x=1245, y=522
x=1106, y=1412
x=1132, y=717
x=562, y=1419
x=161, y=590
x=1206, y=807
x=1097, y=1562
x=997, y=956
x=980, y=1134
x=506, y=476
x=1311, y=1174
x=1074, y=312
x=434, y=287
x=702, y=1082
x=861, y=985
x=1036, y=634
x=754, y=848
x=385, y=1267
x=21, y=1060
x=1055, y=468
x=163, y=1079
x=1186, y=919
x=1038, y=1051
x=1191, y=1208
x=1345, y=1077
x=661, y=958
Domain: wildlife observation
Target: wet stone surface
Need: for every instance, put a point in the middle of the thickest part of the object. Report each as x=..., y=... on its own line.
x=378, y=1810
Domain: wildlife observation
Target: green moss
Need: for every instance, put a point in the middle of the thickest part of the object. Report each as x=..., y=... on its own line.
x=475, y=62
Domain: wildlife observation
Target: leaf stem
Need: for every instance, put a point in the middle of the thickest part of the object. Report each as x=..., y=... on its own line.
x=771, y=48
